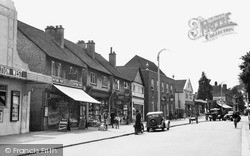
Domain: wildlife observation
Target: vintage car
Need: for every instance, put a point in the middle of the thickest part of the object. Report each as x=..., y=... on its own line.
x=156, y=120
x=215, y=114
x=228, y=116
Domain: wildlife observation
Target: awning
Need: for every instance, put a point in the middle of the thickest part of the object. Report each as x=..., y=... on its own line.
x=200, y=101
x=76, y=94
x=222, y=104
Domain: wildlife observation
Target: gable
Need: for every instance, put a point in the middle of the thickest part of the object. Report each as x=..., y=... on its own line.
x=188, y=86
x=138, y=78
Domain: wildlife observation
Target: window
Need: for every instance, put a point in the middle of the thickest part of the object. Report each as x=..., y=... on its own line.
x=167, y=88
x=3, y=95
x=171, y=88
x=125, y=85
x=15, y=102
x=104, y=81
x=93, y=79
x=142, y=90
x=73, y=73
x=133, y=88
x=117, y=84
x=56, y=69
x=152, y=84
x=162, y=86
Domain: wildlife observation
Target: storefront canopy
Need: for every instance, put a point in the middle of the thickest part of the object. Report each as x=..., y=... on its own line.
x=200, y=101
x=76, y=94
x=222, y=104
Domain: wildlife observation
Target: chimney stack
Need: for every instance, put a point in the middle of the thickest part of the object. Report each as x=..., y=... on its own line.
x=91, y=49
x=81, y=44
x=112, y=57
x=57, y=33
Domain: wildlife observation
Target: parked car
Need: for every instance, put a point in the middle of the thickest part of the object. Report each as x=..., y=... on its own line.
x=156, y=120
x=228, y=116
x=214, y=114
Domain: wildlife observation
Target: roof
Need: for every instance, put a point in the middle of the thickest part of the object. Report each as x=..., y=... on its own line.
x=48, y=45
x=157, y=112
x=179, y=85
x=82, y=54
x=129, y=71
x=109, y=67
x=138, y=61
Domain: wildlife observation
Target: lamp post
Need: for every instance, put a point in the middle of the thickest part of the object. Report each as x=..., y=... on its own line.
x=221, y=95
x=159, y=93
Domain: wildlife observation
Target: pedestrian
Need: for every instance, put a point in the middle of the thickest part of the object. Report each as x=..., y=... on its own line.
x=236, y=118
x=137, y=122
x=112, y=118
x=117, y=122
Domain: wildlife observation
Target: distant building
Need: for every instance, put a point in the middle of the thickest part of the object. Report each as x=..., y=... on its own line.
x=184, y=99
x=150, y=77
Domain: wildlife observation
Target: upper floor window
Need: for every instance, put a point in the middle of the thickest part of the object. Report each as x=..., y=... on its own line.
x=133, y=87
x=3, y=95
x=125, y=85
x=152, y=84
x=117, y=84
x=162, y=86
x=167, y=88
x=104, y=81
x=93, y=79
x=73, y=73
x=56, y=69
x=171, y=88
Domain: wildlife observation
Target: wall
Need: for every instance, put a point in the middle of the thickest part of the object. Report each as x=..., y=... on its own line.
x=22, y=125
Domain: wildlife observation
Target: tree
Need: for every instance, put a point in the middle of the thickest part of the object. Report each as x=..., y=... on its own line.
x=236, y=91
x=204, y=90
x=244, y=76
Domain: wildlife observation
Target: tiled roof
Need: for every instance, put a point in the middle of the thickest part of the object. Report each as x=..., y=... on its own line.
x=109, y=67
x=138, y=61
x=48, y=45
x=82, y=54
x=179, y=85
x=129, y=71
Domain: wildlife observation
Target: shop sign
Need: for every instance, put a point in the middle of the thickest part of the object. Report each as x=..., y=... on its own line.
x=12, y=72
x=66, y=82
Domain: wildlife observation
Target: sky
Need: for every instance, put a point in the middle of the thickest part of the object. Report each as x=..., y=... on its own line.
x=143, y=28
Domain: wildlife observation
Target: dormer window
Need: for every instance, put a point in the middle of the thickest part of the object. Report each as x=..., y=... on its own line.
x=125, y=85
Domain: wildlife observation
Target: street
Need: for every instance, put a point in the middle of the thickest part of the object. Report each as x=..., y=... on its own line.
x=204, y=139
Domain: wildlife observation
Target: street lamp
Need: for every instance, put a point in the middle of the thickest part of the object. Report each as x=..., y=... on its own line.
x=159, y=93
x=221, y=95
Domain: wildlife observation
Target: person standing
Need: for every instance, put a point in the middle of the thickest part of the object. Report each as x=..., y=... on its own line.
x=236, y=118
x=112, y=118
x=137, y=122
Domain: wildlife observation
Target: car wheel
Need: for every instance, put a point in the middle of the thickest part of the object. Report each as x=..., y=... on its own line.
x=148, y=129
x=168, y=126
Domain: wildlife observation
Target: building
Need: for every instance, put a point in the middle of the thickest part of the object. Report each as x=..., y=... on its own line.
x=137, y=89
x=120, y=98
x=222, y=97
x=49, y=53
x=15, y=74
x=184, y=99
x=150, y=77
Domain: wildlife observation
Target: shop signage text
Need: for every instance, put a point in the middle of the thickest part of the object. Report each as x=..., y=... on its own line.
x=12, y=72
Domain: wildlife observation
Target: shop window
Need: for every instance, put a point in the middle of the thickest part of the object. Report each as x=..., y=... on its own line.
x=93, y=79
x=3, y=95
x=104, y=81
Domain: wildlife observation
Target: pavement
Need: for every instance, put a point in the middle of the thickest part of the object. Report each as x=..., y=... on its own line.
x=92, y=134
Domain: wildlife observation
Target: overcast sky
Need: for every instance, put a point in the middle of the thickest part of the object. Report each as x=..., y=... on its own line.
x=143, y=27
